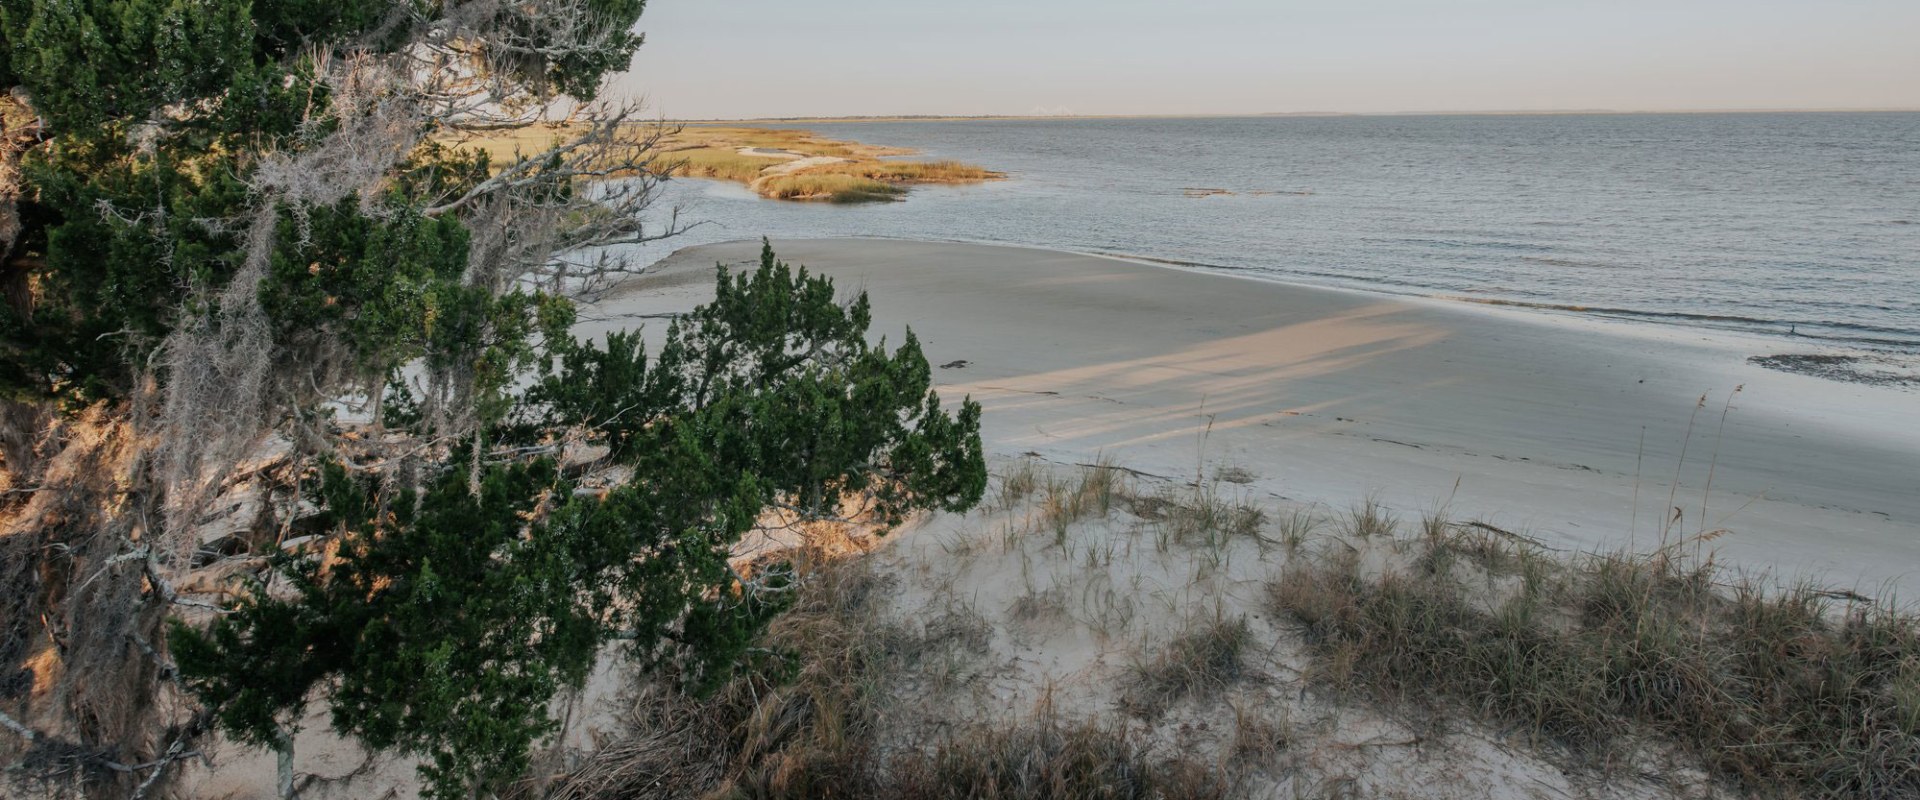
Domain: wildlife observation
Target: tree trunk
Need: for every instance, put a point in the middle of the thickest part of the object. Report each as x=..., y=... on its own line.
x=283, y=755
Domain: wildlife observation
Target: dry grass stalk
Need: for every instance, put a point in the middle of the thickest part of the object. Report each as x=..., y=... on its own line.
x=1783, y=692
x=1207, y=656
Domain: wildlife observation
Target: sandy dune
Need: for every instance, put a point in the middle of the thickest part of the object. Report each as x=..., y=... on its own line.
x=1535, y=423
x=1550, y=425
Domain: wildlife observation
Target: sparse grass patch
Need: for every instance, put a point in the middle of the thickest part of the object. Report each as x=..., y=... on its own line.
x=1201, y=515
x=958, y=627
x=1047, y=760
x=1232, y=474
x=1256, y=739
x=806, y=723
x=1371, y=518
x=1782, y=693
x=1065, y=501
x=1207, y=656
x=1018, y=483
x=1037, y=607
x=1295, y=529
x=1496, y=552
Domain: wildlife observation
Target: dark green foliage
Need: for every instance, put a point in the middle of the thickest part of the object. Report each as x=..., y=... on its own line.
x=443, y=623
x=156, y=113
x=465, y=582
x=783, y=384
x=447, y=631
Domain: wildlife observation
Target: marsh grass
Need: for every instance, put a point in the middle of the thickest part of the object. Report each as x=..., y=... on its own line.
x=907, y=172
x=1786, y=693
x=837, y=188
x=721, y=163
x=790, y=139
x=865, y=173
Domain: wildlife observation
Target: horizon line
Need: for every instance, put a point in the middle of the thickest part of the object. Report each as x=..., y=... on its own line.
x=1229, y=115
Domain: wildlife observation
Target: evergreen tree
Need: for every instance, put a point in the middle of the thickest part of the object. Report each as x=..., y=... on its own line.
x=448, y=618
x=220, y=222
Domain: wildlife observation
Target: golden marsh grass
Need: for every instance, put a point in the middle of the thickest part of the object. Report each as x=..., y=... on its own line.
x=762, y=159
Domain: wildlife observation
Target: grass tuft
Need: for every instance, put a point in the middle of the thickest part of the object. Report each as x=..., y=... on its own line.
x=1371, y=518
x=1018, y=483
x=1069, y=500
x=1200, y=515
x=1779, y=692
x=1050, y=759
x=1203, y=659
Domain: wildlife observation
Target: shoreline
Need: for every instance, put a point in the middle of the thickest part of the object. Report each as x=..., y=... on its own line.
x=1756, y=341
x=1540, y=423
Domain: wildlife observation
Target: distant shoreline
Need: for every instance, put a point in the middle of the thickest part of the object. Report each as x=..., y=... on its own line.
x=1597, y=112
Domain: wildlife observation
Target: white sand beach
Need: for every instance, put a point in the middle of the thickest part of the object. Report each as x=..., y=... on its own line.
x=1552, y=426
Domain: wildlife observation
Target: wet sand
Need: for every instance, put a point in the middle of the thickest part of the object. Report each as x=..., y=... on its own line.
x=1569, y=430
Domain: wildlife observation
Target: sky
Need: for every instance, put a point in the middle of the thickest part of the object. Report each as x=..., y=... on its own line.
x=780, y=58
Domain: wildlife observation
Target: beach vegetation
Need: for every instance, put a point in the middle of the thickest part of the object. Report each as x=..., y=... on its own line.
x=1200, y=660
x=1782, y=691
x=443, y=620
x=250, y=293
x=809, y=720
x=1634, y=671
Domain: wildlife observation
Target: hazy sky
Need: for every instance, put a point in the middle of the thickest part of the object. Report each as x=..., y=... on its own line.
x=736, y=58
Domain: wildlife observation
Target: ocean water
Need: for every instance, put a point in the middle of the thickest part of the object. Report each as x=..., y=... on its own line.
x=1795, y=224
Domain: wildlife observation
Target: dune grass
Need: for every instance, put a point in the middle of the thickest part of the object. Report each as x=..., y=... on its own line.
x=1202, y=659
x=1785, y=693
x=1655, y=663
x=803, y=720
x=1049, y=759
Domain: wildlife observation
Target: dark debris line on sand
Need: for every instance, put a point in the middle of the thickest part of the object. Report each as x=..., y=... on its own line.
x=1876, y=370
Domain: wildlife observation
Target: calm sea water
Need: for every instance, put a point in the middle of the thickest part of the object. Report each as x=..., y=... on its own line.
x=1766, y=222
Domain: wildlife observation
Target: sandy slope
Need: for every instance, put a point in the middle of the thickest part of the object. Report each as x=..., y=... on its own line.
x=1546, y=424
